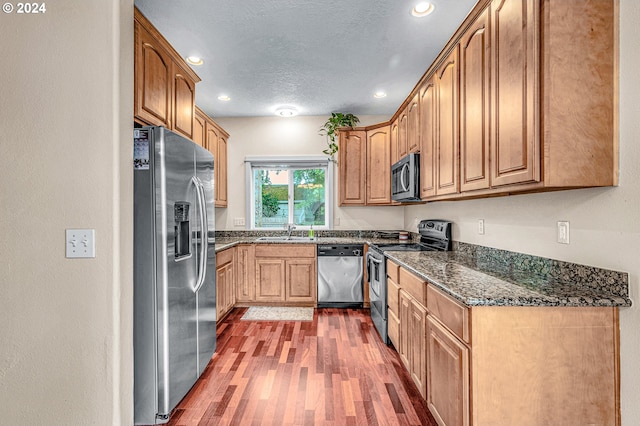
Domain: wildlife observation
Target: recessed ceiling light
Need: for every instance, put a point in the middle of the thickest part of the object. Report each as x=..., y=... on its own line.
x=224, y=98
x=380, y=94
x=422, y=9
x=287, y=112
x=195, y=60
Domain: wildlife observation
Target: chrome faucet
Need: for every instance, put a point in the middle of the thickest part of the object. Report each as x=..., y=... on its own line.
x=290, y=227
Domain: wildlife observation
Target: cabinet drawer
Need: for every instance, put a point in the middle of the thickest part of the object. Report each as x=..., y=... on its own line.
x=225, y=256
x=285, y=250
x=393, y=294
x=393, y=328
x=392, y=270
x=449, y=312
x=412, y=285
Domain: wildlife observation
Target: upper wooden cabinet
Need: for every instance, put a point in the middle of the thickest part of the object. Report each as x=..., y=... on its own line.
x=165, y=86
x=447, y=142
x=474, y=105
x=352, y=167
x=364, y=167
x=522, y=99
x=378, y=166
x=215, y=139
x=514, y=74
x=413, y=124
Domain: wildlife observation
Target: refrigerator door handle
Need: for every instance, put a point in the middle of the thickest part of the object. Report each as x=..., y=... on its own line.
x=204, y=240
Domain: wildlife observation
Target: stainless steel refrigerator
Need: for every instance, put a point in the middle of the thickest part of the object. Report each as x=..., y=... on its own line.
x=174, y=270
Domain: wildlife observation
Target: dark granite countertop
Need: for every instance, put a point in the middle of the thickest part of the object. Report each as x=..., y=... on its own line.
x=487, y=282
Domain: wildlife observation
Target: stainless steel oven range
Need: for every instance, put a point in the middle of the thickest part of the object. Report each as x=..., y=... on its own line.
x=435, y=235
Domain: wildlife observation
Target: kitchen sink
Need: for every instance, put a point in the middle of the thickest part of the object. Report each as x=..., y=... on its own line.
x=285, y=238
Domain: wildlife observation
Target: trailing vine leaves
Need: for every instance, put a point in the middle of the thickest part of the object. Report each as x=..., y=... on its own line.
x=330, y=130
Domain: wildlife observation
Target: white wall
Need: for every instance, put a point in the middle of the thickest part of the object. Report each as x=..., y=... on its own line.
x=605, y=222
x=66, y=98
x=290, y=136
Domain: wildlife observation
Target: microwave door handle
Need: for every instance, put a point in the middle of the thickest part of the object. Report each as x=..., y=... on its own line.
x=403, y=184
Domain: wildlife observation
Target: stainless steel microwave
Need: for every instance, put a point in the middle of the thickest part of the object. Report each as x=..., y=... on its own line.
x=405, y=179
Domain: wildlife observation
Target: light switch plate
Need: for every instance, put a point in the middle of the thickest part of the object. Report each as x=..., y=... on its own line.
x=238, y=221
x=81, y=243
x=481, y=226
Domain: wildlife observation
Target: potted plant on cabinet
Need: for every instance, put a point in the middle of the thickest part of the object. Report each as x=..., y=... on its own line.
x=330, y=129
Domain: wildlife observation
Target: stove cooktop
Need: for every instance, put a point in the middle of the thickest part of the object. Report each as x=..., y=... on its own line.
x=404, y=247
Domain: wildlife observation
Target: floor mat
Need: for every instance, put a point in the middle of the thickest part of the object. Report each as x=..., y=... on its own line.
x=275, y=313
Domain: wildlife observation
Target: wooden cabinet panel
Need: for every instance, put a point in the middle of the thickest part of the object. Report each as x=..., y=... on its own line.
x=413, y=124
x=270, y=280
x=301, y=280
x=184, y=102
x=447, y=142
x=447, y=376
x=199, y=128
x=413, y=285
x=394, y=142
x=352, y=167
x=428, y=139
x=280, y=251
x=418, y=346
x=393, y=296
x=245, y=273
x=403, y=130
x=393, y=328
x=515, y=92
x=405, y=333
x=449, y=312
x=378, y=166
x=153, y=76
x=221, y=171
x=474, y=106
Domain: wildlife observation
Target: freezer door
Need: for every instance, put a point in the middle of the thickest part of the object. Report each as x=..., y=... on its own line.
x=207, y=293
x=176, y=203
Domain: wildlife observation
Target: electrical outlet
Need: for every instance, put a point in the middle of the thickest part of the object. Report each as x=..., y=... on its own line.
x=238, y=221
x=481, y=226
x=81, y=243
x=563, y=232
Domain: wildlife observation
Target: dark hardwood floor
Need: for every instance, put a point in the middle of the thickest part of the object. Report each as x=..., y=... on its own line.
x=333, y=370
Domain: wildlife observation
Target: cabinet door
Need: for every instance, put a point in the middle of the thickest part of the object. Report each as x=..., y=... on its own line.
x=212, y=135
x=428, y=139
x=405, y=321
x=184, y=100
x=230, y=290
x=270, y=279
x=153, y=74
x=474, y=106
x=378, y=166
x=221, y=285
x=417, y=346
x=403, y=128
x=301, y=280
x=413, y=124
x=447, y=125
x=352, y=167
x=199, y=129
x=447, y=376
x=221, y=171
x=514, y=107
x=394, y=142
x=245, y=274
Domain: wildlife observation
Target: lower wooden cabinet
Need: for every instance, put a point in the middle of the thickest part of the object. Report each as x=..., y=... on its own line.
x=412, y=339
x=245, y=273
x=276, y=274
x=447, y=376
x=225, y=282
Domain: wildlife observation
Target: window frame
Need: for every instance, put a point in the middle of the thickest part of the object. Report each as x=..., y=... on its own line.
x=289, y=163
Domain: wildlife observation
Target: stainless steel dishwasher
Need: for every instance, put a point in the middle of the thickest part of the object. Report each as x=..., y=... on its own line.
x=340, y=276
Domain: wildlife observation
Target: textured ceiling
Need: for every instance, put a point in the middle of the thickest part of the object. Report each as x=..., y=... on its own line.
x=318, y=56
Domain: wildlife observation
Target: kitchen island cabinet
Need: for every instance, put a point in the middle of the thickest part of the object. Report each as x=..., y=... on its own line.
x=527, y=365
x=165, y=86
